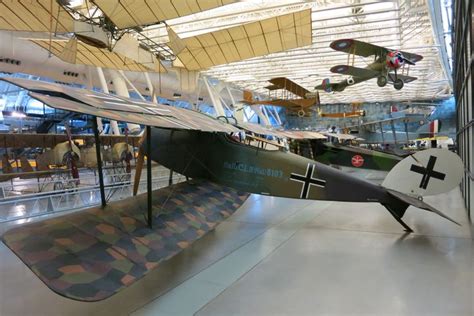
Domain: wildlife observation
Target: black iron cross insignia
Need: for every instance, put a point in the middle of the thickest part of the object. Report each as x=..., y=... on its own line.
x=428, y=172
x=307, y=181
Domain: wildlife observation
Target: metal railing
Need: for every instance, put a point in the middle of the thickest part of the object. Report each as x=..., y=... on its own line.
x=37, y=204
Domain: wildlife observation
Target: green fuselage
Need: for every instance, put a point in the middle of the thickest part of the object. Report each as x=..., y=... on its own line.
x=350, y=156
x=223, y=160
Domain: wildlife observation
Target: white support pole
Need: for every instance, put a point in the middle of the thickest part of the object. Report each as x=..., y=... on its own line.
x=90, y=86
x=196, y=105
x=151, y=88
x=277, y=115
x=113, y=124
x=274, y=113
x=265, y=112
x=131, y=85
x=258, y=110
x=216, y=102
x=121, y=89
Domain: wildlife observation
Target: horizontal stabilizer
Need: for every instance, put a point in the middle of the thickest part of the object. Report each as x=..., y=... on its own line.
x=419, y=204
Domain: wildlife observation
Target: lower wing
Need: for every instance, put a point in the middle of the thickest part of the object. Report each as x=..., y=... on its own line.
x=362, y=73
x=406, y=79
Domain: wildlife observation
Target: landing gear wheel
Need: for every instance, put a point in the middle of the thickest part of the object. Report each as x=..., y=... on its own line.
x=301, y=113
x=398, y=84
x=382, y=81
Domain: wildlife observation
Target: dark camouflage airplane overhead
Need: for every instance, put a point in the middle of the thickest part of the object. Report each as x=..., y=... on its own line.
x=386, y=66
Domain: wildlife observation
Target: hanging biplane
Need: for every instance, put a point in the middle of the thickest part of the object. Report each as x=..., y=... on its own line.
x=374, y=132
x=297, y=102
x=92, y=254
x=389, y=66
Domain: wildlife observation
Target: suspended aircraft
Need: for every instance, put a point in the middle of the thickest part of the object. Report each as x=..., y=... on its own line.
x=373, y=132
x=389, y=66
x=355, y=112
x=299, y=104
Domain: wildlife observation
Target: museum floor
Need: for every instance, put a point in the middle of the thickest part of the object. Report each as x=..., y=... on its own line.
x=289, y=257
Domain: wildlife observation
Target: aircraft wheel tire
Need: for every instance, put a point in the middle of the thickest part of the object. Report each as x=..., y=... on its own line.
x=382, y=81
x=398, y=84
x=301, y=113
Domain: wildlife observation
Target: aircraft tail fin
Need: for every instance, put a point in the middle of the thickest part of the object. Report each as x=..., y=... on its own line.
x=430, y=129
x=326, y=85
x=248, y=96
x=427, y=172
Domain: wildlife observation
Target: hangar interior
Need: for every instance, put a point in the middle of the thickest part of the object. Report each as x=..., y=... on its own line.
x=227, y=157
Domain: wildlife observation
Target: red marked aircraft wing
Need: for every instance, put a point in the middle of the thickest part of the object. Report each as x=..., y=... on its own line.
x=352, y=46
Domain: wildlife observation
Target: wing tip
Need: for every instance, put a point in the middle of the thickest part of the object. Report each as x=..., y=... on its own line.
x=341, y=44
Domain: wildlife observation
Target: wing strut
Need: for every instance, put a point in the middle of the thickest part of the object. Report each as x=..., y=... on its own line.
x=99, y=161
x=148, y=176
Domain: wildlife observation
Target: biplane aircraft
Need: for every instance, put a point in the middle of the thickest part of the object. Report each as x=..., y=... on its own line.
x=299, y=104
x=389, y=66
x=374, y=132
x=101, y=241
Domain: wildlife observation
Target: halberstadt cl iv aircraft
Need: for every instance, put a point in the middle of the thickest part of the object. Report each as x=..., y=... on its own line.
x=385, y=67
x=92, y=254
x=199, y=147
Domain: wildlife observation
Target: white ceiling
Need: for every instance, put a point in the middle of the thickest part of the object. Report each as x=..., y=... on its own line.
x=395, y=24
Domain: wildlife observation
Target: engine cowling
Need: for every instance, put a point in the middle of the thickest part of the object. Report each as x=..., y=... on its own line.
x=350, y=81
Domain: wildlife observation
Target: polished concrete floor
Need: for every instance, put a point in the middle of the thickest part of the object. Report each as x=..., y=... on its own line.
x=290, y=257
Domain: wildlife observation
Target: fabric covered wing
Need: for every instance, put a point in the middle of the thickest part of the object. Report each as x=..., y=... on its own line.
x=355, y=71
x=92, y=254
x=119, y=108
x=261, y=130
x=287, y=84
x=412, y=57
x=356, y=47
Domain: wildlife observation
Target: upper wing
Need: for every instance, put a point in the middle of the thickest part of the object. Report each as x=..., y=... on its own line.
x=412, y=57
x=355, y=71
x=119, y=108
x=342, y=136
x=352, y=46
x=287, y=84
x=406, y=119
x=261, y=130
